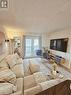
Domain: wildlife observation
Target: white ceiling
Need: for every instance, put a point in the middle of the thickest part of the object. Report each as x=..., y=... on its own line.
x=37, y=15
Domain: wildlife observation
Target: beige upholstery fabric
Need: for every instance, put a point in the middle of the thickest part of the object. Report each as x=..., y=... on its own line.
x=39, y=77
x=18, y=70
x=33, y=90
x=33, y=67
x=16, y=55
x=26, y=68
x=17, y=93
x=11, y=60
x=47, y=84
x=7, y=75
x=42, y=67
x=7, y=88
x=20, y=61
x=20, y=83
x=29, y=82
x=20, y=87
x=3, y=64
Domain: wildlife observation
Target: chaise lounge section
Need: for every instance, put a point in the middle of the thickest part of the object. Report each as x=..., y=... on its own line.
x=11, y=75
x=37, y=82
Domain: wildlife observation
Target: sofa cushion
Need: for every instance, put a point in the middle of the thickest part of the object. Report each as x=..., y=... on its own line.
x=3, y=64
x=16, y=55
x=20, y=83
x=11, y=60
x=29, y=82
x=7, y=75
x=26, y=67
x=39, y=77
x=20, y=61
x=7, y=88
x=47, y=84
x=33, y=91
x=18, y=70
x=17, y=93
x=34, y=67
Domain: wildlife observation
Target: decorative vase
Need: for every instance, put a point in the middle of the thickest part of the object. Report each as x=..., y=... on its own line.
x=54, y=69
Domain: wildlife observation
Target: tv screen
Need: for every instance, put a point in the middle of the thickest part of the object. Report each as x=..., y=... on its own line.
x=59, y=44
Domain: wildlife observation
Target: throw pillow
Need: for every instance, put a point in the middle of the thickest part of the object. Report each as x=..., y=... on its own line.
x=20, y=61
x=18, y=70
x=29, y=82
x=3, y=64
x=39, y=77
x=11, y=60
x=34, y=67
x=7, y=75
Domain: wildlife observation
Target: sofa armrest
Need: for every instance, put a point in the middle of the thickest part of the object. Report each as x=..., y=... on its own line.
x=17, y=93
x=48, y=84
x=20, y=84
x=33, y=90
x=20, y=87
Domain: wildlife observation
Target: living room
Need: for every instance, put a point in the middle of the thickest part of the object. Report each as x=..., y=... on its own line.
x=35, y=47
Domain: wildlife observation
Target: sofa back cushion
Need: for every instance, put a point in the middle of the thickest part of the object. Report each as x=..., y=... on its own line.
x=7, y=88
x=48, y=84
x=29, y=82
x=33, y=91
x=3, y=64
x=19, y=61
x=11, y=60
x=26, y=67
x=39, y=77
x=34, y=67
x=7, y=75
x=18, y=70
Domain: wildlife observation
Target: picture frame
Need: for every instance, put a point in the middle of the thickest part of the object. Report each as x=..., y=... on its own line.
x=17, y=42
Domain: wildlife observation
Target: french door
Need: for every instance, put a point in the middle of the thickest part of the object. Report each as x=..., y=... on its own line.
x=32, y=44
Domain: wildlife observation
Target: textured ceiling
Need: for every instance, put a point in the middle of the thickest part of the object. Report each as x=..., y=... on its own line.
x=37, y=15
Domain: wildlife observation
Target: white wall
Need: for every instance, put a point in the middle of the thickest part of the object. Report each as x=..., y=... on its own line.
x=3, y=46
x=44, y=40
x=57, y=35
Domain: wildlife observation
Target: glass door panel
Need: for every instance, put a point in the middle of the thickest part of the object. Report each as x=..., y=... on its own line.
x=32, y=44
x=35, y=45
x=28, y=45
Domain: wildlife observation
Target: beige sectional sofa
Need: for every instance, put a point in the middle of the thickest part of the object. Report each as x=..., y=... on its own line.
x=34, y=65
x=28, y=77
x=11, y=75
x=36, y=77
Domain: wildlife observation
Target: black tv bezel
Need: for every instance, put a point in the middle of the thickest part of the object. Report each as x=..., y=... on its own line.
x=59, y=39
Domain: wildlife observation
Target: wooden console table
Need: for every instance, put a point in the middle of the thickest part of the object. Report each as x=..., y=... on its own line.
x=62, y=88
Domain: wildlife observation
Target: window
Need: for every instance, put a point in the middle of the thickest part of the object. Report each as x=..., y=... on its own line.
x=36, y=45
x=31, y=45
x=28, y=47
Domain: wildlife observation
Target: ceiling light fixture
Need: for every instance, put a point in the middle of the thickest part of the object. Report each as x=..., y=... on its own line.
x=3, y=3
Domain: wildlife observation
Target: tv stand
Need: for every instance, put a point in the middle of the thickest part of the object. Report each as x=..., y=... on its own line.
x=52, y=58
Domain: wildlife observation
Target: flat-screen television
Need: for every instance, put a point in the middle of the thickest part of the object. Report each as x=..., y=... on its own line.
x=59, y=44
